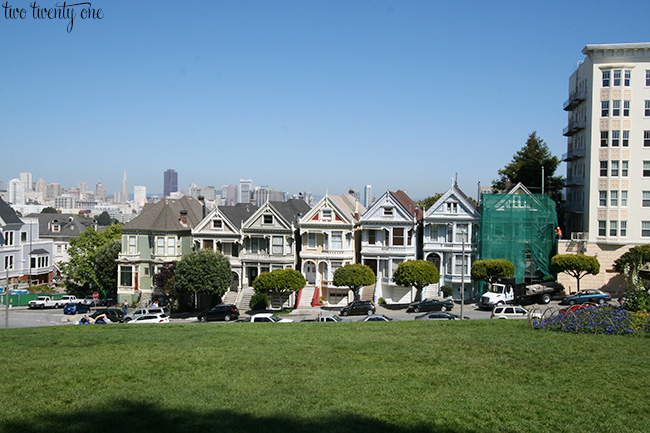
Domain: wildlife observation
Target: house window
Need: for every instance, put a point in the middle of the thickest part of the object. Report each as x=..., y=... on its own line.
x=132, y=246
x=626, y=138
x=645, y=229
x=56, y=228
x=171, y=246
x=623, y=228
x=624, y=198
x=616, y=108
x=311, y=240
x=617, y=77
x=9, y=238
x=278, y=247
x=624, y=167
x=337, y=240
x=604, y=138
x=646, y=138
x=616, y=138
x=602, y=228
x=9, y=262
x=23, y=237
x=126, y=276
x=647, y=77
x=626, y=108
x=326, y=214
x=603, y=168
x=646, y=168
x=613, y=228
x=452, y=207
x=460, y=265
x=602, y=198
x=461, y=232
x=646, y=199
x=160, y=246
x=398, y=236
x=628, y=75
x=268, y=219
x=604, y=109
x=32, y=262
x=647, y=109
x=614, y=168
x=388, y=211
x=255, y=246
x=606, y=75
x=613, y=198
x=216, y=224
x=372, y=237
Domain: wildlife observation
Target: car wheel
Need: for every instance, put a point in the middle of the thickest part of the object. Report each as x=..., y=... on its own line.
x=443, y=308
x=370, y=312
x=546, y=298
x=500, y=303
x=416, y=309
x=601, y=301
x=344, y=313
x=572, y=302
x=127, y=319
x=226, y=318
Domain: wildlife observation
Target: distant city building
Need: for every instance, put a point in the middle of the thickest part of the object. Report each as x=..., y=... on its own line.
x=41, y=188
x=140, y=195
x=245, y=189
x=26, y=178
x=170, y=182
x=125, y=190
x=54, y=190
x=65, y=201
x=83, y=187
x=229, y=195
x=262, y=194
x=16, y=192
x=195, y=190
x=367, y=196
x=209, y=192
x=100, y=192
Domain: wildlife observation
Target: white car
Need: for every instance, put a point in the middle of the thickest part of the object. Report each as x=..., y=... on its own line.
x=146, y=312
x=268, y=317
x=510, y=312
x=377, y=318
x=151, y=318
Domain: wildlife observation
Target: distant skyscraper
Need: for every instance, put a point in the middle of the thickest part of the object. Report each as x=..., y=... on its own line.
x=170, y=182
x=245, y=188
x=125, y=190
x=54, y=190
x=140, y=195
x=100, y=192
x=195, y=190
x=367, y=196
x=26, y=178
x=83, y=187
x=41, y=188
x=16, y=192
x=229, y=195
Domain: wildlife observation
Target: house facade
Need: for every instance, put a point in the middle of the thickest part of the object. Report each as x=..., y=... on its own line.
x=388, y=238
x=61, y=228
x=450, y=234
x=329, y=233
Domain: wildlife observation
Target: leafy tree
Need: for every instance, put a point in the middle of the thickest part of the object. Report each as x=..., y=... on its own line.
x=79, y=271
x=490, y=269
x=259, y=301
x=104, y=219
x=203, y=271
x=575, y=265
x=416, y=273
x=165, y=278
x=428, y=202
x=106, y=267
x=630, y=263
x=49, y=209
x=354, y=276
x=526, y=167
x=279, y=281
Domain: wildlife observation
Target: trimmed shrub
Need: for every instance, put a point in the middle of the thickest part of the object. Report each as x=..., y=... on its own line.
x=259, y=301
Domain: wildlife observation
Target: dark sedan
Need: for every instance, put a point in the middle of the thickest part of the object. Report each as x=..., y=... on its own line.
x=76, y=308
x=431, y=305
x=226, y=312
x=358, y=307
x=594, y=296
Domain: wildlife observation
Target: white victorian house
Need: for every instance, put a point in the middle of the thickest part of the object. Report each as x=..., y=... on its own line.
x=388, y=238
x=450, y=240
x=329, y=241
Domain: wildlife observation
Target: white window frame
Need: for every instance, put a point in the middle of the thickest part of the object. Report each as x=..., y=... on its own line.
x=602, y=198
x=624, y=198
x=613, y=198
x=616, y=108
x=614, y=168
x=311, y=240
x=337, y=241
x=132, y=244
x=645, y=229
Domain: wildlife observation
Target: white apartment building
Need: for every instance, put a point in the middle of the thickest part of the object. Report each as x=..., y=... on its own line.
x=608, y=156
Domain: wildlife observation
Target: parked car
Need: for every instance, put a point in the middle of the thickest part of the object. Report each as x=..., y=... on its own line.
x=146, y=311
x=113, y=314
x=575, y=307
x=225, y=312
x=587, y=296
x=509, y=312
x=76, y=308
x=89, y=300
x=268, y=317
x=325, y=318
x=359, y=307
x=151, y=318
x=377, y=318
x=437, y=316
x=431, y=305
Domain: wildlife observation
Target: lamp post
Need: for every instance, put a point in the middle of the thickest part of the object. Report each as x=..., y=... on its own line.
x=462, y=275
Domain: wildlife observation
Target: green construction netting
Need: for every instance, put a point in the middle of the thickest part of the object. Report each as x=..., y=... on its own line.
x=520, y=228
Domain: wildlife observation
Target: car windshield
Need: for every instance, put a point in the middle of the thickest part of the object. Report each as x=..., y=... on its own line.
x=336, y=319
x=274, y=319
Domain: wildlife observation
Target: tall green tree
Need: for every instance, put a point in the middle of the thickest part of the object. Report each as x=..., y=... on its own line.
x=428, y=202
x=203, y=271
x=49, y=209
x=354, y=276
x=280, y=281
x=629, y=264
x=526, y=167
x=106, y=267
x=416, y=273
x=490, y=269
x=104, y=219
x=575, y=265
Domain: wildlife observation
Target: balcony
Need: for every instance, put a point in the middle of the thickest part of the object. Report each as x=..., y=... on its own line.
x=573, y=154
x=574, y=126
x=575, y=98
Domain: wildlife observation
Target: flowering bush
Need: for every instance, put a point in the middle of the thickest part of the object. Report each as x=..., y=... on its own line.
x=596, y=320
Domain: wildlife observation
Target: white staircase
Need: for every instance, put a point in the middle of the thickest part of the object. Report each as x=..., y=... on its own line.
x=244, y=303
x=306, y=297
x=229, y=298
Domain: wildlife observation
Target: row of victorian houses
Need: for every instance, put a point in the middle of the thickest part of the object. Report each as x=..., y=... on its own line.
x=317, y=240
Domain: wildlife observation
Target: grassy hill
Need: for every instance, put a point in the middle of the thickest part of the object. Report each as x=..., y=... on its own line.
x=474, y=376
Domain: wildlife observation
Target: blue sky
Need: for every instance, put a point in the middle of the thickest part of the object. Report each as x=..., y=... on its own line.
x=297, y=95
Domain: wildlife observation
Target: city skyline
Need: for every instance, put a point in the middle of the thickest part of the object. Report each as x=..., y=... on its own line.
x=325, y=95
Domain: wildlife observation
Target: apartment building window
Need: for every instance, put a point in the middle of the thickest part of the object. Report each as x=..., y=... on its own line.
x=616, y=138
x=132, y=241
x=9, y=262
x=626, y=108
x=623, y=228
x=9, y=238
x=606, y=75
x=398, y=236
x=337, y=240
x=602, y=198
x=645, y=229
x=626, y=138
x=311, y=240
x=160, y=246
x=372, y=237
x=624, y=198
x=616, y=108
x=617, y=77
x=613, y=198
x=278, y=247
x=613, y=228
x=647, y=77
x=602, y=228
x=171, y=246
x=604, y=109
x=615, y=168
x=628, y=75
x=603, y=168
x=647, y=109
x=646, y=138
x=604, y=138
x=646, y=168
x=646, y=199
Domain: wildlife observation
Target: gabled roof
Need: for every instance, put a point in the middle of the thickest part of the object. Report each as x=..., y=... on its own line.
x=70, y=225
x=291, y=210
x=7, y=214
x=400, y=200
x=460, y=196
x=164, y=216
x=344, y=205
x=406, y=201
x=238, y=213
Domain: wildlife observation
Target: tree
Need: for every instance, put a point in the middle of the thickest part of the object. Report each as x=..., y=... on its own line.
x=106, y=267
x=104, y=219
x=203, y=271
x=79, y=271
x=354, y=276
x=280, y=281
x=526, y=167
x=575, y=265
x=630, y=263
x=49, y=209
x=490, y=269
x=416, y=273
x=165, y=279
x=428, y=202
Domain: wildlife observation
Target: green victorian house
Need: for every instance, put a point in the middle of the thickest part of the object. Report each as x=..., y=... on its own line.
x=161, y=234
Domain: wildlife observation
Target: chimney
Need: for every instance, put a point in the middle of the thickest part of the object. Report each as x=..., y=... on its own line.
x=183, y=217
x=202, y=200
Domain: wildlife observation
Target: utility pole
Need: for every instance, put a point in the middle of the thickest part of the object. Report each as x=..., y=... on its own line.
x=7, y=301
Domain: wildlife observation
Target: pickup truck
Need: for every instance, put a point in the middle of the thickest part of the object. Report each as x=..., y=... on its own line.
x=325, y=318
x=43, y=302
x=507, y=292
x=268, y=317
x=67, y=299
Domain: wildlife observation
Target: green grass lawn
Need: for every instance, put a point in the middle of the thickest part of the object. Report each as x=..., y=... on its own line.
x=474, y=376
